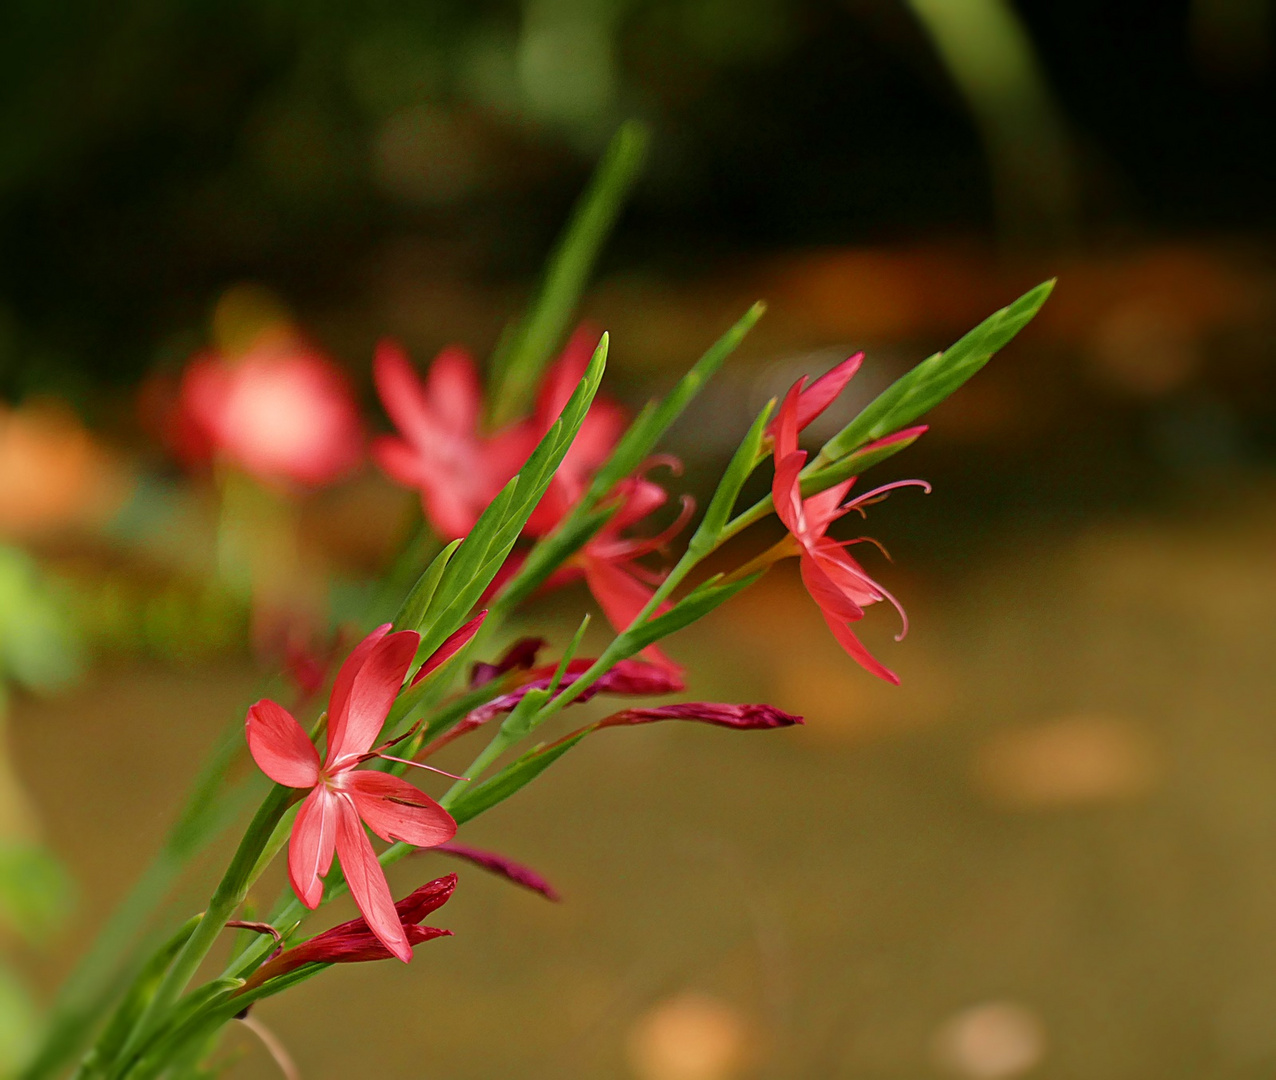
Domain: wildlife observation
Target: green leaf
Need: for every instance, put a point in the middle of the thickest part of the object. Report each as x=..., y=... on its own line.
x=37, y=645
x=19, y=1022
x=135, y=999
x=692, y=607
x=550, y=554
x=743, y=462
x=418, y=600
x=526, y=349
x=500, y=787
x=935, y=378
x=194, y=1017
x=519, y=721
x=633, y=448
x=485, y=549
x=643, y=434
x=854, y=464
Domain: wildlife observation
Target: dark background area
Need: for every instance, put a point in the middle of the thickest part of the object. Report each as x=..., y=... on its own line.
x=152, y=153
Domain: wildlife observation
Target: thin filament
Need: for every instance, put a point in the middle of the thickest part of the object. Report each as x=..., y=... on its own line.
x=422, y=765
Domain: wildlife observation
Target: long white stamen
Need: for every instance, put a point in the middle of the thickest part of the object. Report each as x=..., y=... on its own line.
x=422, y=765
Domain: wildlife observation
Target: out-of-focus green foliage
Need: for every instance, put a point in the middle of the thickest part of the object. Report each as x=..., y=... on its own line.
x=35, y=892
x=37, y=647
x=18, y=1022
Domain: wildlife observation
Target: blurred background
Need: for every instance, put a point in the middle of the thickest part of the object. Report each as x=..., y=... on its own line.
x=1050, y=853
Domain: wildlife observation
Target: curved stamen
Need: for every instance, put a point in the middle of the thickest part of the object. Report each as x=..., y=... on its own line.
x=866, y=540
x=878, y=493
x=632, y=549
x=673, y=464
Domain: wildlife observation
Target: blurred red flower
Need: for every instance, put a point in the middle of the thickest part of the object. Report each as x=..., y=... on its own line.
x=442, y=451
x=282, y=412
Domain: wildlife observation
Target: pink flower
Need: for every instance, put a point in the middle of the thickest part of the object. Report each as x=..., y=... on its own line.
x=836, y=582
x=442, y=451
x=342, y=798
x=609, y=561
x=814, y=399
x=355, y=942
x=282, y=412
x=602, y=428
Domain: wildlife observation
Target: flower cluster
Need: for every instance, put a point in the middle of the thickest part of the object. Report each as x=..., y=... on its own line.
x=458, y=469
x=563, y=491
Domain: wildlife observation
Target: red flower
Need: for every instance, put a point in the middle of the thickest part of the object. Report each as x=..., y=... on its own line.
x=609, y=561
x=355, y=942
x=442, y=451
x=836, y=582
x=282, y=412
x=343, y=798
x=602, y=428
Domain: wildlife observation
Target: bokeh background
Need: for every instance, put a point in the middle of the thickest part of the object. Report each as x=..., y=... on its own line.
x=1050, y=853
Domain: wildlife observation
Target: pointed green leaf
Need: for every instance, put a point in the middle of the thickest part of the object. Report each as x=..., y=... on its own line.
x=131, y=1006
x=743, y=462
x=935, y=378
x=484, y=796
x=490, y=542
x=526, y=349
x=643, y=434
x=418, y=600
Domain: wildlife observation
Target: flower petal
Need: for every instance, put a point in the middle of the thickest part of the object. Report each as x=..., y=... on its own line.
x=833, y=601
x=620, y=595
x=402, y=394
x=397, y=810
x=311, y=846
x=339, y=699
x=821, y=394
x=280, y=747
x=521, y=656
x=825, y=507
x=453, y=393
x=786, y=493
x=504, y=867
x=426, y=900
x=786, y=422
x=857, y=652
x=398, y=460
x=453, y=645
x=352, y=942
x=372, y=691
x=367, y=880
